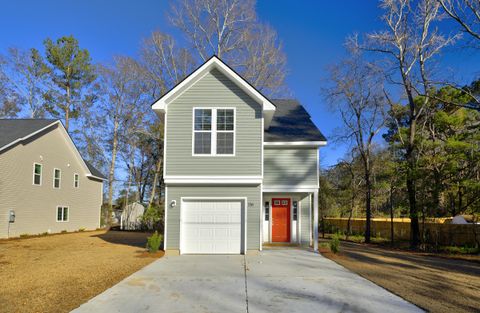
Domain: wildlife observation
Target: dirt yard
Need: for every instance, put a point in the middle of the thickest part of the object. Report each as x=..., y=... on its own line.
x=433, y=283
x=58, y=273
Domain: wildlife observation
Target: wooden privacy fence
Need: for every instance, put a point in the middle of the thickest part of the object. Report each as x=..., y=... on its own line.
x=437, y=233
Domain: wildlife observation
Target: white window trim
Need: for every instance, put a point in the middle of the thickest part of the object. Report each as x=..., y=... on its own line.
x=76, y=175
x=63, y=212
x=213, y=131
x=59, y=178
x=41, y=174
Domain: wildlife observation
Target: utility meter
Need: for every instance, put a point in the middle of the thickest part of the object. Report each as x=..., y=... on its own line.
x=11, y=216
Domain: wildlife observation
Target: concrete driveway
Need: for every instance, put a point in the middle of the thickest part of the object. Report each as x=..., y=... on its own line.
x=273, y=281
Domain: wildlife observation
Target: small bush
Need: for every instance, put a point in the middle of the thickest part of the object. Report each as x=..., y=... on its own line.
x=335, y=243
x=44, y=233
x=81, y=229
x=153, y=242
x=64, y=231
x=24, y=235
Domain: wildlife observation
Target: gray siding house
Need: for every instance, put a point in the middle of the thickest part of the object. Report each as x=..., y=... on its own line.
x=240, y=170
x=45, y=185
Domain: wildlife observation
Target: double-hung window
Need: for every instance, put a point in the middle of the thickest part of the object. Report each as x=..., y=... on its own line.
x=37, y=174
x=56, y=178
x=76, y=180
x=62, y=214
x=214, y=131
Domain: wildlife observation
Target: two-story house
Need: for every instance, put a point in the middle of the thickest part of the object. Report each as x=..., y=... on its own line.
x=45, y=184
x=240, y=170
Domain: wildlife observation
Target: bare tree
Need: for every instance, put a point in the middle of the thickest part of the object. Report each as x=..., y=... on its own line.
x=231, y=30
x=9, y=106
x=356, y=93
x=28, y=76
x=410, y=42
x=466, y=13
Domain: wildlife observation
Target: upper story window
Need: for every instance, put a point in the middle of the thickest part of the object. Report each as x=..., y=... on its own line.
x=214, y=131
x=37, y=174
x=56, y=178
x=76, y=180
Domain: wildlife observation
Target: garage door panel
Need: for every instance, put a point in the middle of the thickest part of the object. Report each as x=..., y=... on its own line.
x=212, y=226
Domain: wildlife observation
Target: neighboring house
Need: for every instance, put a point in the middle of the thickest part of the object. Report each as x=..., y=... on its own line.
x=44, y=181
x=240, y=170
x=131, y=217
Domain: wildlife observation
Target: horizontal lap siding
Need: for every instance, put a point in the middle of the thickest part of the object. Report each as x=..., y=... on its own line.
x=252, y=193
x=214, y=90
x=35, y=206
x=290, y=167
x=306, y=220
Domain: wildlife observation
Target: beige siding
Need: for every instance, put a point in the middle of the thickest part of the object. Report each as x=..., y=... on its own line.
x=214, y=90
x=252, y=193
x=290, y=167
x=306, y=220
x=35, y=206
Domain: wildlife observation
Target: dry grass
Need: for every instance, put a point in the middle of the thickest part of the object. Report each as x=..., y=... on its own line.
x=432, y=283
x=58, y=273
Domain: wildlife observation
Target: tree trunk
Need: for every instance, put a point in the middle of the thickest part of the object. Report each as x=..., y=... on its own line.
x=155, y=181
x=392, y=232
x=368, y=201
x=67, y=109
x=111, y=173
x=412, y=199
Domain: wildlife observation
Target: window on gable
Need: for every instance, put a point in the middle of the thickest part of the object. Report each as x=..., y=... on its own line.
x=76, y=180
x=62, y=214
x=56, y=178
x=203, y=131
x=225, y=131
x=37, y=174
x=214, y=132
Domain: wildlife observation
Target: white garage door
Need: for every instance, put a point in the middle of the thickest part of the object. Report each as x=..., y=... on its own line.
x=211, y=226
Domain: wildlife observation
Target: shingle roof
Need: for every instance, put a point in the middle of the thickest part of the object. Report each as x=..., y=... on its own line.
x=12, y=130
x=292, y=122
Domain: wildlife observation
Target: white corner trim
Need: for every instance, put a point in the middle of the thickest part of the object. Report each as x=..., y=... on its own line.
x=161, y=104
x=296, y=143
x=29, y=135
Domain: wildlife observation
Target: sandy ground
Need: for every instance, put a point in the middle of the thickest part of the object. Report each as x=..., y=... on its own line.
x=57, y=273
x=433, y=283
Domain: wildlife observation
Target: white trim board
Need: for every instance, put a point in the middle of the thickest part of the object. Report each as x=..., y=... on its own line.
x=295, y=143
x=235, y=180
x=161, y=105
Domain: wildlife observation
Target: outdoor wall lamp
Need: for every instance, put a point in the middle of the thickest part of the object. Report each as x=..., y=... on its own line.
x=173, y=203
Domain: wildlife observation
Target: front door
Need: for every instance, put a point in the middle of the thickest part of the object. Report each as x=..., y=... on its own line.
x=280, y=220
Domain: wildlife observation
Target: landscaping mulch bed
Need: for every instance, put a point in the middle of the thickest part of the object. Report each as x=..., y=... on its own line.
x=436, y=284
x=57, y=273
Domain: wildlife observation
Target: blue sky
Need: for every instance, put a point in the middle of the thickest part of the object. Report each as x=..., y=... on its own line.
x=312, y=33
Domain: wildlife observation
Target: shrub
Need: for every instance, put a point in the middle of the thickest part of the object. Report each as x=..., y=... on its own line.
x=335, y=243
x=64, y=231
x=81, y=229
x=153, y=242
x=24, y=235
x=45, y=233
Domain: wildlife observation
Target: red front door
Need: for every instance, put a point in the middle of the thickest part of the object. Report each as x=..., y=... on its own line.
x=280, y=220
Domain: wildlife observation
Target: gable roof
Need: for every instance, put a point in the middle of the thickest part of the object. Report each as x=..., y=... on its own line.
x=160, y=106
x=17, y=130
x=292, y=123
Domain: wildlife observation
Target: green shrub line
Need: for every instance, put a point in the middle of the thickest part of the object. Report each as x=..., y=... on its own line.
x=335, y=243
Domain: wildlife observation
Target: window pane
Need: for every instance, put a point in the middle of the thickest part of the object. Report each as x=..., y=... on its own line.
x=59, y=213
x=225, y=119
x=38, y=169
x=57, y=173
x=224, y=143
x=36, y=179
x=65, y=214
x=203, y=119
x=75, y=180
x=203, y=143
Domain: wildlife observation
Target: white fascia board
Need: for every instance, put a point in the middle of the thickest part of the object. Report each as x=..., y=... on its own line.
x=160, y=106
x=295, y=143
x=231, y=180
x=29, y=135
